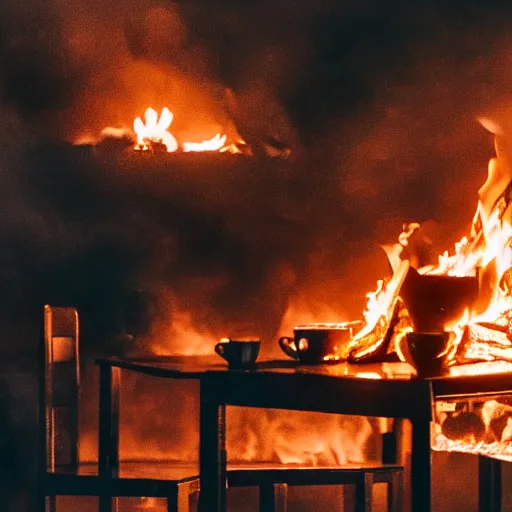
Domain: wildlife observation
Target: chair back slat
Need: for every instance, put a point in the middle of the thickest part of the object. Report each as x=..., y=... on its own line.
x=62, y=384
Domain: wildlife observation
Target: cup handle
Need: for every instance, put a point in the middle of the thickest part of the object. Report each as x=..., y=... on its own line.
x=285, y=344
x=220, y=349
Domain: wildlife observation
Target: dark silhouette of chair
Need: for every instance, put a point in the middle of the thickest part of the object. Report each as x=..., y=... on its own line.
x=60, y=472
x=273, y=482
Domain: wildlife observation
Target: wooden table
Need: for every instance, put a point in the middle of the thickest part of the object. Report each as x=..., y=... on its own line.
x=384, y=390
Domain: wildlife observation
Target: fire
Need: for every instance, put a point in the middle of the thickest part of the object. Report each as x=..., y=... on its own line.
x=482, y=334
x=303, y=438
x=154, y=132
x=477, y=425
x=214, y=144
x=369, y=375
x=253, y=435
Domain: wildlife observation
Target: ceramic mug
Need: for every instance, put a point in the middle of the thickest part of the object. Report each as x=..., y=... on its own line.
x=319, y=343
x=239, y=353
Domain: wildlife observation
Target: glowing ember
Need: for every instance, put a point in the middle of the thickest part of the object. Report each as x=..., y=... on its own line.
x=368, y=375
x=480, y=426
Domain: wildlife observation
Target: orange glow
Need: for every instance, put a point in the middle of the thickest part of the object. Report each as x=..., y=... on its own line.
x=485, y=368
x=495, y=449
x=477, y=426
x=368, y=375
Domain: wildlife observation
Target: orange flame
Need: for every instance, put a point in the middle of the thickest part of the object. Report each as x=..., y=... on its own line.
x=213, y=144
x=154, y=131
x=484, y=334
x=478, y=426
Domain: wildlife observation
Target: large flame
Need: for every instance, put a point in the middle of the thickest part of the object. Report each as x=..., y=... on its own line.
x=481, y=341
x=485, y=333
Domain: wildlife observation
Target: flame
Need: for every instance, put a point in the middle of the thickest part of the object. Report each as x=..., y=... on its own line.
x=153, y=133
x=267, y=436
x=214, y=144
x=484, y=368
x=238, y=148
x=481, y=339
x=154, y=129
x=470, y=426
x=368, y=375
x=485, y=333
x=304, y=438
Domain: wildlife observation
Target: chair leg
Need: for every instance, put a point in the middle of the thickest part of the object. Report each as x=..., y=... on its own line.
x=50, y=504
x=364, y=493
x=273, y=497
x=108, y=504
x=395, y=492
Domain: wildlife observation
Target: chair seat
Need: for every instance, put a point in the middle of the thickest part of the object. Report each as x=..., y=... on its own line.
x=264, y=474
x=151, y=479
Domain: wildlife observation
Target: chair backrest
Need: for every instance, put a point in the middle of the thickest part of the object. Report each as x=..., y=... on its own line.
x=61, y=379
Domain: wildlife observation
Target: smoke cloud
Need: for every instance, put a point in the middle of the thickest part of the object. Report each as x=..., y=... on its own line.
x=377, y=103
x=379, y=106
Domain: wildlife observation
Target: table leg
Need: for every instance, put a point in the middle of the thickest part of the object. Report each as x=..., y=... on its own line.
x=420, y=467
x=364, y=487
x=212, y=454
x=108, y=435
x=489, y=485
x=273, y=497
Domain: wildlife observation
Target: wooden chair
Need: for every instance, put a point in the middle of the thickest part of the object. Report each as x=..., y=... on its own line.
x=273, y=480
x=60, y=472
x=273, y=483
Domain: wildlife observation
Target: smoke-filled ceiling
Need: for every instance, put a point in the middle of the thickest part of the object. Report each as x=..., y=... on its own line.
x=377, y=102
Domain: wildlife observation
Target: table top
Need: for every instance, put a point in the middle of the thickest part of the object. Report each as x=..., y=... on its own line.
x=190, y=367
x=383, y=389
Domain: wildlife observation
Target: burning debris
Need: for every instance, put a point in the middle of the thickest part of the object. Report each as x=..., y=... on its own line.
x=454, y=316
x=467, y=294
x=477, y=425
x=153, y=135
